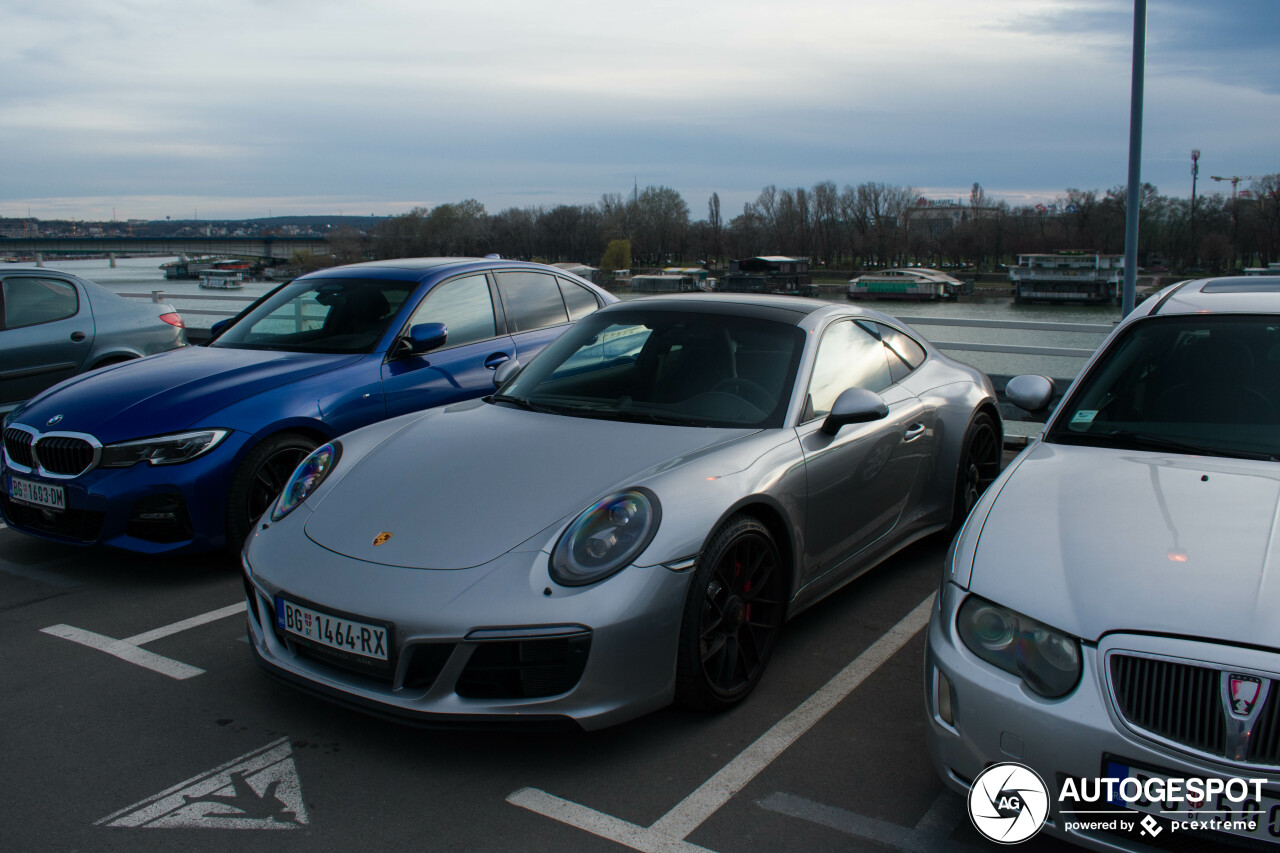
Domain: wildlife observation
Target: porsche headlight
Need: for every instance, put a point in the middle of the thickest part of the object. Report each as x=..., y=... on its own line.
x=606, y=537
x=161, y=450
x=306, y=478
x=1047, y=660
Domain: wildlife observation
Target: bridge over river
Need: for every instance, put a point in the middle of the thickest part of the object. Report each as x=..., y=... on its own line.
x=276, y=248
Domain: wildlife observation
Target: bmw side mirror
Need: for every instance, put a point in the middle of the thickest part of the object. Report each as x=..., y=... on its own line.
x=855, y=406
x=423, y=337
x=218, y=328
x=1030, y=392
x=506, y=370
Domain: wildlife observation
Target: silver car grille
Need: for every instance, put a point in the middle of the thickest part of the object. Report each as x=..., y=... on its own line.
x=18, y=444
x=1184, y=704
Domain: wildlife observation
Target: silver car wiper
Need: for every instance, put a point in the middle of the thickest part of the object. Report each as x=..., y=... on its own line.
x=523, y=403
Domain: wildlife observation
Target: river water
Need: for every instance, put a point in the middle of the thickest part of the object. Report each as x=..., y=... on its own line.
x=144, y=275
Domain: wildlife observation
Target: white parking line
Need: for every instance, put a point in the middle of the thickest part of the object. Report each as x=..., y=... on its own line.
x=130, y=649
x=668, y=833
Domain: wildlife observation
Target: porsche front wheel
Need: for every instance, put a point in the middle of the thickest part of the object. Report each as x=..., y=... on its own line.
x=732, y=615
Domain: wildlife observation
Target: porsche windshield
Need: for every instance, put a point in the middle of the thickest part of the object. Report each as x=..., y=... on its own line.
x=1200, y=383
x=330, y=315
x=667, y=367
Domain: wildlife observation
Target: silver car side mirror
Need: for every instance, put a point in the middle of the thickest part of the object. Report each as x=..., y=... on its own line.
x=1029, y=391
x=505, y=371
x=855, y=406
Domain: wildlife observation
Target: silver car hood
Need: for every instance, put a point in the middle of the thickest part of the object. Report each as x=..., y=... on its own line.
x=1092, y=541
x=465, y=484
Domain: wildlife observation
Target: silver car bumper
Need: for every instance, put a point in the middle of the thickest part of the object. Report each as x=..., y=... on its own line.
x=506, y=616
x=996, y=719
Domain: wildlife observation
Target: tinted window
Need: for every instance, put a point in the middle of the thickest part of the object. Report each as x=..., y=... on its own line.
x=464, y=305
x=1200, y=384
x=579, y=300
x=848, y=357
x=667, y=367
x=336, y=315
x=532, y=300
x=31, y=301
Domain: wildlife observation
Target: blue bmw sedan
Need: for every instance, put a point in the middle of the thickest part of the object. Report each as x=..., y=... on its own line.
x=182, y=451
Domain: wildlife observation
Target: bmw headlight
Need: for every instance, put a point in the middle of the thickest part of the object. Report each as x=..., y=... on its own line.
x=1047, y=660
x=606, y=537
x=161, y=450
x=306, y=478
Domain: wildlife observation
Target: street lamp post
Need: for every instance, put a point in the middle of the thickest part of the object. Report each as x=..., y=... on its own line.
x=1128, y=300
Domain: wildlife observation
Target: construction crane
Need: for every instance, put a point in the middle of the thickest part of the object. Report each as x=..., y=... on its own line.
x=1235, y=181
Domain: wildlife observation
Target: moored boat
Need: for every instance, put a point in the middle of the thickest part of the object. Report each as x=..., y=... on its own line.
x=919, y=283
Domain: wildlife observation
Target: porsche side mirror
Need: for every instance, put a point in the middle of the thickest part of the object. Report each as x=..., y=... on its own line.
x=423, y=337
x=855, y=406
x=506, y=370
x=1029, y=391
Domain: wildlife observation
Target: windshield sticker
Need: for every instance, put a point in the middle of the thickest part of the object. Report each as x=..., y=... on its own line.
x=1084, y=417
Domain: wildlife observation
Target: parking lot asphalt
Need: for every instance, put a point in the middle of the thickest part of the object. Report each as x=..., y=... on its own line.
x=135, y=719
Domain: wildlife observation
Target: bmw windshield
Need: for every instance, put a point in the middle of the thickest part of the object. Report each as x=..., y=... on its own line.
x=323, y=315
x=1200, y=384
x=665, y=367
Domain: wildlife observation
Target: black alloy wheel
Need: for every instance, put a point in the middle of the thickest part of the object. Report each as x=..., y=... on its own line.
x=979, y=465
x=732, y=615
x=260, y=480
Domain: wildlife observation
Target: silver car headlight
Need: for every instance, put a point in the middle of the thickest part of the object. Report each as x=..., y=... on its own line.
x=306, y=478
x=606, y=537
x=162, y=450
x=1047, y=660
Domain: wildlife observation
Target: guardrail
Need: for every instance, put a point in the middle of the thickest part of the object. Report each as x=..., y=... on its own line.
x=1008, y=410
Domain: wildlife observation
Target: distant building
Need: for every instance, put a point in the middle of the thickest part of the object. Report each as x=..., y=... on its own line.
x=1269, y=269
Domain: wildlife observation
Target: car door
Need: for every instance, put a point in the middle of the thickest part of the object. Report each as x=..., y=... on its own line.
x=535, y=309
x=859, y=479
x=463, y=367
x=46, y=332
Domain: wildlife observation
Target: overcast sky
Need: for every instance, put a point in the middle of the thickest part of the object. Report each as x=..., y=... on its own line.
x=247, y=108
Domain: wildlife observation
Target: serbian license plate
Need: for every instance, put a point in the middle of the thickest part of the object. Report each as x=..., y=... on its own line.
x=1219, y=813
x=346, y=638
x=38, y=494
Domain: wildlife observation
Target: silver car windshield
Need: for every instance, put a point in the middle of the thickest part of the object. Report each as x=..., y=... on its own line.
x=321, y=315
x=666, y=367
x=1198, y=383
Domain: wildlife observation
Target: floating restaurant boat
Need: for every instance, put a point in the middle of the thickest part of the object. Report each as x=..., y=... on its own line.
x=919, y=283
x=1068, y=277
x=220, y=279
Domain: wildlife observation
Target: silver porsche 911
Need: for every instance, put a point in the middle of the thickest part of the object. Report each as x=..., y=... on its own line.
x=1110, y=614
x=627, y=522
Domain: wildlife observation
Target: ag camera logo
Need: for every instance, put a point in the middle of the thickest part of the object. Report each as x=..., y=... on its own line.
x=1008, y=803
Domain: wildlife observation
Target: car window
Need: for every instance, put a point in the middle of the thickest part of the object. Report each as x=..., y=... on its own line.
x=902, y=345
x=1197, y=383
x=532, y=300
x=848, y=357
x=666, y=367
x=464, y=305
x=32, y=301
x=578, y=299
x=334, y=315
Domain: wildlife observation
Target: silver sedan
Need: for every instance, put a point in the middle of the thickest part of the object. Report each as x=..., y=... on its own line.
x=627, y=522
x=54, y=325
x=1107, y=617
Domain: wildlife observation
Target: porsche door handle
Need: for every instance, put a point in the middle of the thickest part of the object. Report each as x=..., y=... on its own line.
x=913, y=432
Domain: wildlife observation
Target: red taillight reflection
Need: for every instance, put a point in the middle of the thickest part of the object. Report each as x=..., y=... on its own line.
x=174, y=319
